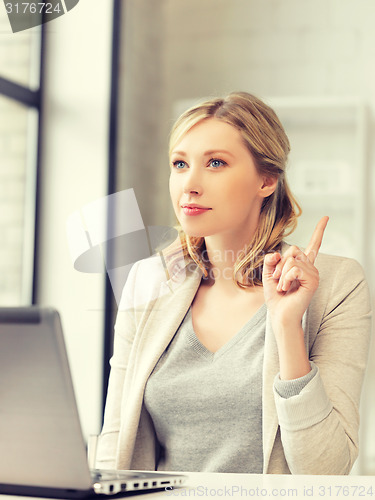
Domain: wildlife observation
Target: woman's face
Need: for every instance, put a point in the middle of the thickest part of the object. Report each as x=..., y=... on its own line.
x=211, y=167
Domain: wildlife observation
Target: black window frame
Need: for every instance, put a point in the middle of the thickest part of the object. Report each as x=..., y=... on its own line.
x=110, y=307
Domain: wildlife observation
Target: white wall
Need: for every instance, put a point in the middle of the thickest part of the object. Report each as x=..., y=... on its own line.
x=74, y=173
x=142, y=136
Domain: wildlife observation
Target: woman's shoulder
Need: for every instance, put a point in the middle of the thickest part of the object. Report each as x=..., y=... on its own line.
x=158, y=268
x=342, y=272
x=142, y=284
x=329, y=265
x=339, y=276
x=150, y=268
x=152, y=277
x=146, y=276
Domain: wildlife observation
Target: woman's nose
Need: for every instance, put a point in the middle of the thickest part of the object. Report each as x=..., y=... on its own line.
x=192, y=182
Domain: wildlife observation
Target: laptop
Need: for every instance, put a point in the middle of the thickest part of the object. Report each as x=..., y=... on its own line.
x=42, y=449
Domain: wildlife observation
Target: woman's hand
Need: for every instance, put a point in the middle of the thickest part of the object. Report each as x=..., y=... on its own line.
x=290, y=281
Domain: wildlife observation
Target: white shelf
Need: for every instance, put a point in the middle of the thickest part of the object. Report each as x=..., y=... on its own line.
x=327, y=170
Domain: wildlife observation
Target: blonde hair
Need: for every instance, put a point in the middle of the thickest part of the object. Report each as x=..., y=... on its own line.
x=268, y=144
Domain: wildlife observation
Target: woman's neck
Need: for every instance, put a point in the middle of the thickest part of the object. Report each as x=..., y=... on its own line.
x=222, y=258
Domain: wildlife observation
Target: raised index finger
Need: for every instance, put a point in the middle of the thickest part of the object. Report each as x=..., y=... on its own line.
x=316, y=239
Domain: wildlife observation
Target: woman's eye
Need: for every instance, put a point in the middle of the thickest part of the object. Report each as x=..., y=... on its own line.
x=217, y=163
x=179, y=164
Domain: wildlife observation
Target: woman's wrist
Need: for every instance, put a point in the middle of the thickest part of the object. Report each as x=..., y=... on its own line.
x=293, y=358
x=286, y=324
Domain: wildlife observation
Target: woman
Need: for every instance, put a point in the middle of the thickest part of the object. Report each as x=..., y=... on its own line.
x=249, y=356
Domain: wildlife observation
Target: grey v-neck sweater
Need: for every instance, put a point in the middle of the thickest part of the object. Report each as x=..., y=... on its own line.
x=207, y=407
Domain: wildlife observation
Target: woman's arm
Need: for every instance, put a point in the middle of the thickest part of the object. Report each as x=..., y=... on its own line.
x=319, y=426
x=319, y=423
x=124, y=334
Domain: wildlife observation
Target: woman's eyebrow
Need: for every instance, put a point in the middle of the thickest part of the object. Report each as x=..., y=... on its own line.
x=207, y=153
x=180, y=153
x=217, y=151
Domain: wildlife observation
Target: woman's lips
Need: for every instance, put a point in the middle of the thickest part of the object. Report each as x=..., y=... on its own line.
x=194, y=210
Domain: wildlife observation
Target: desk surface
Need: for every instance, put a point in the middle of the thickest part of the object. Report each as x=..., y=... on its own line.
x=214, y=485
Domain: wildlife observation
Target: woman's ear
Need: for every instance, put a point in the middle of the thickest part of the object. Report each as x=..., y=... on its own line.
x=269, y=185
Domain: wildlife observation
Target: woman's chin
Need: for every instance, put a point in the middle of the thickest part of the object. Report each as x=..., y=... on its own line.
x=196, y=232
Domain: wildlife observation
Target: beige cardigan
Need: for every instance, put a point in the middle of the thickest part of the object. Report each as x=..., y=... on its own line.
x=315, y=432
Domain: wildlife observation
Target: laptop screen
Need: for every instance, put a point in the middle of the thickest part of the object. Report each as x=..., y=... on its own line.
x=40, y=435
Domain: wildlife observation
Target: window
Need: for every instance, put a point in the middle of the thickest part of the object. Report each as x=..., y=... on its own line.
x=20, y=105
